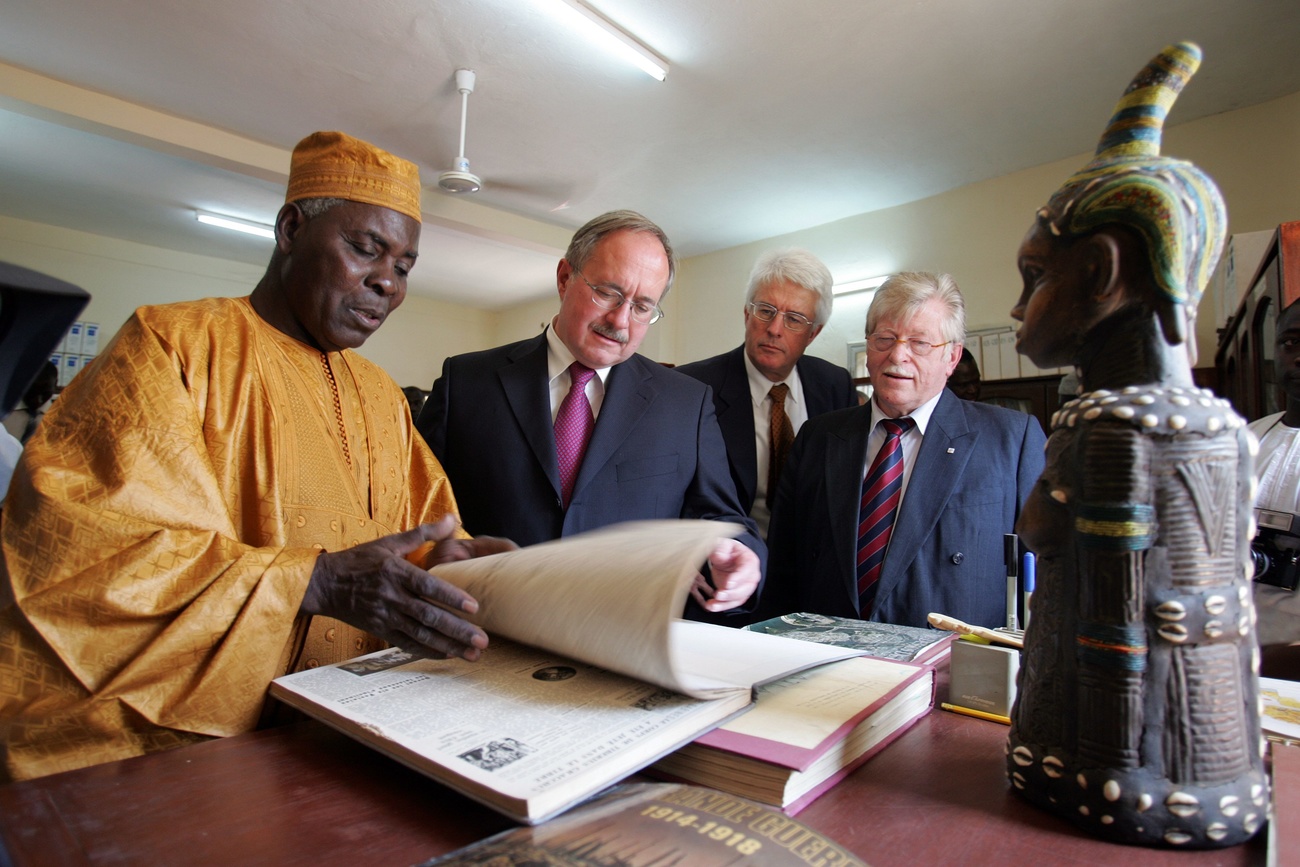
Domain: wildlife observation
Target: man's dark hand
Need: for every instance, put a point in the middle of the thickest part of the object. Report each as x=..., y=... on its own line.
x=375, y=588
x=450, y=550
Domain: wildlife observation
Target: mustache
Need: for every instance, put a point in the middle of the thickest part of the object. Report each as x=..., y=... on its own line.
x=610, y=332
x=896, y=370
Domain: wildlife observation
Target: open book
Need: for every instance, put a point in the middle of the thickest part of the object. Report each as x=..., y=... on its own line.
x=590, y=675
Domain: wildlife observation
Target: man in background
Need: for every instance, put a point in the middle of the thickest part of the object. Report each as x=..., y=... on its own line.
x=765, y=389
x=22, y=422
x=229, y=493
x=895, y=509
x=964, y=381
x=573, y=430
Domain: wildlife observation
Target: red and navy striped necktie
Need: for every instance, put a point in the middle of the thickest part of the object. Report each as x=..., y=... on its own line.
x=881, y=490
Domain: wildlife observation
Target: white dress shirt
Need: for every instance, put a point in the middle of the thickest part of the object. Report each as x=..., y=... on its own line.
x=796, y=409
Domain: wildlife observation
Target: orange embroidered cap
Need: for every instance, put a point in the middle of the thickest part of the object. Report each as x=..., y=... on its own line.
x=334, y=165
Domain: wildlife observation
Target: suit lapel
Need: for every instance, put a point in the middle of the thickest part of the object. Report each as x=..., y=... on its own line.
x=736, y=419
x=629, y=392
x=524, y=380
x=846, y=448
x=938, y=472
x=816, y=392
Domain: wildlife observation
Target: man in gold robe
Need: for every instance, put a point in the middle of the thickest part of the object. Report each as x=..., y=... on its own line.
x=230, y=493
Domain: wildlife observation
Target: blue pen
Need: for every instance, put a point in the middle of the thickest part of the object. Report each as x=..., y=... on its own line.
x=1011, y=557
x=1028, y=573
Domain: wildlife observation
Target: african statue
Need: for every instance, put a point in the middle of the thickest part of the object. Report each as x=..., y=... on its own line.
x=1136, y=715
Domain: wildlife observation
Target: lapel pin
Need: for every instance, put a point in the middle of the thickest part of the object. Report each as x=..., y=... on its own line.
x=950, y=451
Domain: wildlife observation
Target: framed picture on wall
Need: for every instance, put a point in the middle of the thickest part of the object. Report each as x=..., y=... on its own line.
x=858, y=359
x=857, y=364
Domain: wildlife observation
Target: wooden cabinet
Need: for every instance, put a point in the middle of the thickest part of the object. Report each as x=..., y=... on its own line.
x=1245, y=354
x=1036, y=395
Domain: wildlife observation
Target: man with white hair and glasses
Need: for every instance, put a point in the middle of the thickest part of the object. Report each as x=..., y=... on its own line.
x=895, y=509
x=765, y=389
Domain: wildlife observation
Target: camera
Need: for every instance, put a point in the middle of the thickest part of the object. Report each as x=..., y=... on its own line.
x=1276, y=548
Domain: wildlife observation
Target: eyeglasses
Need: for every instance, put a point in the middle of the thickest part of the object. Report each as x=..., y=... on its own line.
x=886, y=342
x=612, y=298
x=766, y=312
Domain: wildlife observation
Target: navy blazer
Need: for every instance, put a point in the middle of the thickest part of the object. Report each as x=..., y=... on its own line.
x=826, y=387
x=976, y=465
x=656, y=451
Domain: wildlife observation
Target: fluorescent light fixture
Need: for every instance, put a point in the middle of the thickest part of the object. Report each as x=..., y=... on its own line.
x=595, y=25
x=855, y=286
x=248, y=226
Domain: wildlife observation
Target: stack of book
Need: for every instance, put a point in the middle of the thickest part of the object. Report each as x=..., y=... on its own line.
x=591, y=676
x=810, y=730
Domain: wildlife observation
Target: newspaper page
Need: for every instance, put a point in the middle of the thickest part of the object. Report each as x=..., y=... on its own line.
x=539, y=729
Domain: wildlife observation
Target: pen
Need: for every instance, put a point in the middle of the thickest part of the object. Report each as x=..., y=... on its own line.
x=952, y=624
x=1011, y=556
x=978, y=714
x=1028, y=575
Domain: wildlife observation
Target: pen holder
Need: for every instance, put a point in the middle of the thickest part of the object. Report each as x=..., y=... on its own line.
x=983, y=677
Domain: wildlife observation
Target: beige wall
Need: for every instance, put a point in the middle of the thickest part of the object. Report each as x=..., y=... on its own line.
x=119, y=275
x=122, y=276
x=972, y=233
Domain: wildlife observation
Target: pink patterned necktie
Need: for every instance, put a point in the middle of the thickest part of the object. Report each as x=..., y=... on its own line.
x=573, y=426
x=881, y=490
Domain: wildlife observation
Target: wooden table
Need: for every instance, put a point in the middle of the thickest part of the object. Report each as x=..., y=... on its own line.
x=303, y=794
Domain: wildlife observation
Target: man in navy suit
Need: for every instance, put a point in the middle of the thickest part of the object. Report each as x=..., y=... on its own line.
x=787, y=304
x=503, y=421
x=966, y=468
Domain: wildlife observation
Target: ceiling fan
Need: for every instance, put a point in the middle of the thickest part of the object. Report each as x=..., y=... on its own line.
x=459, y=179
x=551, y=195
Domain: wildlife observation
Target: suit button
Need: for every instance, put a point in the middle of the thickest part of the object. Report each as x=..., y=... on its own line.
x=957, y=558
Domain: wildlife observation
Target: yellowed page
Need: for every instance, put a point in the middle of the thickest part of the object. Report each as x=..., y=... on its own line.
x=803, y=709
x=608, y=597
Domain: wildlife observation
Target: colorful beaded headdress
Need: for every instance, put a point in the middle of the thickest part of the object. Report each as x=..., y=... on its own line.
x=1171, y=203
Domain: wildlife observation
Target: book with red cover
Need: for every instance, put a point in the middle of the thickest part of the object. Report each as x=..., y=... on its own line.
x=807, y=731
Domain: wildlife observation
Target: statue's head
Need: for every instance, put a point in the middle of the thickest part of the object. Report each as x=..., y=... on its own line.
x=1164, y=212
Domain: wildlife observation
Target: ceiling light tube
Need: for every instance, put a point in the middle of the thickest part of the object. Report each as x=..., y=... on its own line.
x=855, y=286
x=262, y=230
x=632, y=49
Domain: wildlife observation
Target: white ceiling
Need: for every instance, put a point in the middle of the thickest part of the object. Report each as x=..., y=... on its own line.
x=120, y=117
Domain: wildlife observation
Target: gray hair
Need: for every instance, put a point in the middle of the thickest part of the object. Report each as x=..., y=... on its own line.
x=799, y=267
x=585, y=239
x=904, y=294
x=312, y=208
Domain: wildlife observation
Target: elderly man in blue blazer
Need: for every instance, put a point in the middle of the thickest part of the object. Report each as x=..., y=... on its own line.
x=573, y=430
x=898, y=508
x=786, y=305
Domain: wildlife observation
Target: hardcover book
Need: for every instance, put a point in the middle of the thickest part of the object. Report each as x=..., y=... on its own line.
x=883, y=640
x=589, y=676
x=807, y=731
x=655, y=825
